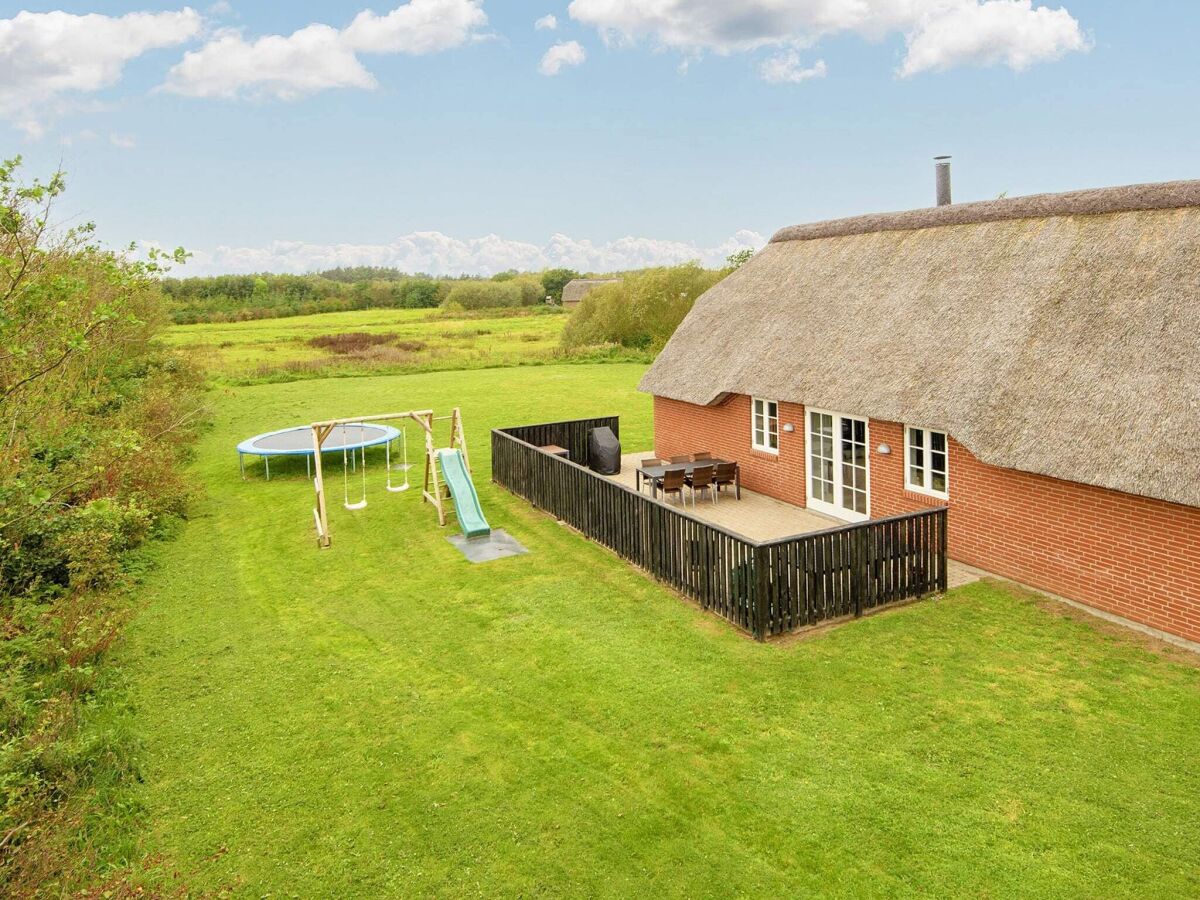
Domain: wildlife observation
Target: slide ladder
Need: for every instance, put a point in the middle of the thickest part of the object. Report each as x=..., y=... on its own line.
x=462, y=492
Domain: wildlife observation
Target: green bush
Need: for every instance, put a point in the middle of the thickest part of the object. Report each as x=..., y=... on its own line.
x=420, y=293
x=532, y=292
x=483, y=294
x=642, y=310
x=98, y=418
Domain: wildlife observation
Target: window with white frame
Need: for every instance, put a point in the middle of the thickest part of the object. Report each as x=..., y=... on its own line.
x=927, y=466
x=765, y=425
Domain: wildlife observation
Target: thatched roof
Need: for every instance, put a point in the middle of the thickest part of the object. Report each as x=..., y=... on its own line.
x=577, y=288
x=1055, y=334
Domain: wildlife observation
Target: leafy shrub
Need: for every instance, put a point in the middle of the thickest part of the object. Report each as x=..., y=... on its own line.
x=421, y=293
x=484, y=294
x=532, y=292
x=642, y=310
x=97, y=536
x=98, y=418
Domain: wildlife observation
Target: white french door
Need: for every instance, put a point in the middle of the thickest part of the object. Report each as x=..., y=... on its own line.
x=838, y=465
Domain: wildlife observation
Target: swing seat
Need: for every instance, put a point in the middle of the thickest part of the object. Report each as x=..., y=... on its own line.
x=359, y=505
x=399, y=467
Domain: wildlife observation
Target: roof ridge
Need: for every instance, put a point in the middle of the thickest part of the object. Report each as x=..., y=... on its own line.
x=1095, y=201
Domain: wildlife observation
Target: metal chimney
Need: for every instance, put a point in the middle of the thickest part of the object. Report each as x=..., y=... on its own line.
x=942, y=169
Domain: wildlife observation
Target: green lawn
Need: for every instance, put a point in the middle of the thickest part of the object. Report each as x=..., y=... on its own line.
x=384, y=718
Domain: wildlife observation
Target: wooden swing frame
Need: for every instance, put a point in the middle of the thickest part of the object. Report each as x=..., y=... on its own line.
x=434, y=491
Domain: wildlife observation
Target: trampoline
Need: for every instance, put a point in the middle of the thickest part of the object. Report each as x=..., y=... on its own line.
x=298, y=441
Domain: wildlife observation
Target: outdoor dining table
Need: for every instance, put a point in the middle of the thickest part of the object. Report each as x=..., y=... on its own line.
x=655, y=473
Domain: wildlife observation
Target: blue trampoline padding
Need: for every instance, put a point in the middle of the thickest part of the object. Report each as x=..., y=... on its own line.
x=297, y=441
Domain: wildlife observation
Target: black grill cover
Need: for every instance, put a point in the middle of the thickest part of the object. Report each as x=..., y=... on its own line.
x=604, y=451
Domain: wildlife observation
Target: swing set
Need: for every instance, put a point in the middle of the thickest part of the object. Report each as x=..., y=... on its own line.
x=434, y=490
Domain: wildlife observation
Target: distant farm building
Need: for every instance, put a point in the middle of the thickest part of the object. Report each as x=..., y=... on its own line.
x=578, y=288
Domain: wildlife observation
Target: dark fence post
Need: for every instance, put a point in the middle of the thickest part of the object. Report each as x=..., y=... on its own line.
x=943, y=550
x=762, y=592
x=858, y=569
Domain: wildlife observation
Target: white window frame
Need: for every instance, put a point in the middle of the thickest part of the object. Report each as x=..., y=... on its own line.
x=770, y=425
x=834, y=509
x=927, y=456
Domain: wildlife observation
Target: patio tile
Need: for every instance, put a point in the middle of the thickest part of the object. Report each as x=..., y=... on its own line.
x=756, y=516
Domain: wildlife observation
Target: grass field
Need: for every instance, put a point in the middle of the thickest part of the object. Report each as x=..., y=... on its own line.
x=385, y=719
x=268, y=350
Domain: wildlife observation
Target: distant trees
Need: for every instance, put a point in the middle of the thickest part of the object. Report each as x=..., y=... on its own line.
x=232, y=298
x=421, y=293
x=532, y=291
x=515, y=290
x=642, y=310
x=483, y=294
x=352, y=274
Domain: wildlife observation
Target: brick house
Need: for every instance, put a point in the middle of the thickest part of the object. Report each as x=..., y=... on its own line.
x=1031, y=363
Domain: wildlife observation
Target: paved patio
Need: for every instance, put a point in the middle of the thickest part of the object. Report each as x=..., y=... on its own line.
x=762, y=518
x=756, y=516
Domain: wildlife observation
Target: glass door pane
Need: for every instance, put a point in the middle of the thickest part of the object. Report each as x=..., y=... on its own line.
x=854, y=465
x=820, y=463
x=838, y=464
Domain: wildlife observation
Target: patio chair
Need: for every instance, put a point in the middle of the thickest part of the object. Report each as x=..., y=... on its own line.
x=646, y=463
x=701, y=479
x=725, y=476
x=686, y=458
x=672, y=483
x=702, y=455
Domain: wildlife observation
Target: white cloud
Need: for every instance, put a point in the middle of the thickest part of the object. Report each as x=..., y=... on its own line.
x=547, y=22
x=309, y=60
x=48, y=58
x=938, y=34
x=420, y=26
x=123, y=141
x=785, y=68
x=319, y=57
x=1009, y=33
x=570, y=53
x=440, y=254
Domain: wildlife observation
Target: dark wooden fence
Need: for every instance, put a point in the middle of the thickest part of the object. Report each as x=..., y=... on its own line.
x=768, y=587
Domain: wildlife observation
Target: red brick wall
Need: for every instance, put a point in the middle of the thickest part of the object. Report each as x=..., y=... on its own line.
x=724, y=430
x=1129, y=555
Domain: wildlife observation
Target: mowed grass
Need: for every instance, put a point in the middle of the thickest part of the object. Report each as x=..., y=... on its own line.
x=386, y=719
x=281, y=349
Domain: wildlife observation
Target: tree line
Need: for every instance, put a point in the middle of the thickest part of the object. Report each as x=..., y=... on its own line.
x=235, y=298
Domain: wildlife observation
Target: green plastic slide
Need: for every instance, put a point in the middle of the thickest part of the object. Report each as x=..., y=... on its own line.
x=462, y=492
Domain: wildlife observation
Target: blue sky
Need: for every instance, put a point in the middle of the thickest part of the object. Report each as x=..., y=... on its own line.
x=408, y=140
